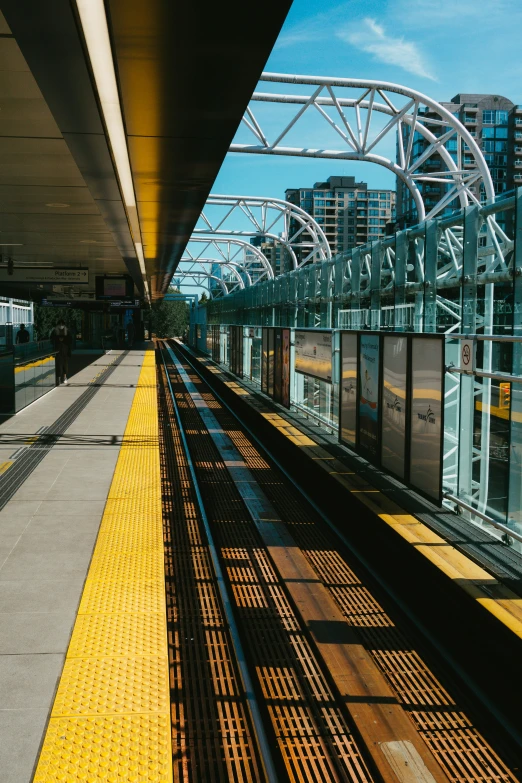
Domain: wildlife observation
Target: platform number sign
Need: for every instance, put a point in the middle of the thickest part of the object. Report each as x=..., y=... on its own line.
x=467, y=356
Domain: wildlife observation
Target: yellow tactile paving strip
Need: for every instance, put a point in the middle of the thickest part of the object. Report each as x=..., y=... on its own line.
x=110, y=721
x=38, y=363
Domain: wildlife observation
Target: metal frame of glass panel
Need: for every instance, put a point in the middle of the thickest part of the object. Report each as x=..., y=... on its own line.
x=459, y=276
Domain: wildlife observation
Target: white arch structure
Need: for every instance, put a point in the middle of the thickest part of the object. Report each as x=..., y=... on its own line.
x=201, y=277
x=287, y=224
x=244, y=263
x=233, y=275
x=349, y=106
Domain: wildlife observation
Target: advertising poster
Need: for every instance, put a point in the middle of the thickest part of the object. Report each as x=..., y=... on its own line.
x=285, y=374
x=313, y=354
x=232, y=350
x=271, y=361
x=426, y=416
x=239, y=351
x=278, y=364
x=394, y=396
x=348, y=424
x=369, y=395
x=264, y=361
x=223, y=344
x=215, y=344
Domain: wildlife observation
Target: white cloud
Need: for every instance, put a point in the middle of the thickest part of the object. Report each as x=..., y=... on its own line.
x=373, y=39
x=297, y=36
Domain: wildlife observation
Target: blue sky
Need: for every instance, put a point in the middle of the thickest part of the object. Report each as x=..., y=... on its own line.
x=439, y=47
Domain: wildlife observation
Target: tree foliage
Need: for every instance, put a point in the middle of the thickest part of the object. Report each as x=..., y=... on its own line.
x=203, y=299
x=169, y=319
x=46, y=318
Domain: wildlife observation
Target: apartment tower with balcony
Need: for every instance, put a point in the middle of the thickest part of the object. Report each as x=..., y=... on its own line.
x=349, y=212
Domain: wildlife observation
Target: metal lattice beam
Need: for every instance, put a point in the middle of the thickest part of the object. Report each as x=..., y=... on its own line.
x=287, y=224
x=242, y=259
x=352, y=108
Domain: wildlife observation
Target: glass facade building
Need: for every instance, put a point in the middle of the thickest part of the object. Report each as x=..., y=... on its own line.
x=495, y=123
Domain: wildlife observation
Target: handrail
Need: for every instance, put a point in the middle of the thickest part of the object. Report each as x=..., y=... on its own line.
x=505, y=529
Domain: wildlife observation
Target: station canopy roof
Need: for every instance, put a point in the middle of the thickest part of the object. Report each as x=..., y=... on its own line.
x=184, y=73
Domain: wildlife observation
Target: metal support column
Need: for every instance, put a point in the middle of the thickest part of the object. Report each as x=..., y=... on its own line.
x=401, y=254
x=467, y=382
x=430, y=275
x=356, y=288
x=375, y=286
x=515, y=451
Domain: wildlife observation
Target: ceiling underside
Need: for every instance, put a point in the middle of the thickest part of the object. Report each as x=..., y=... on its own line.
x=185, y=72
x=48, y=214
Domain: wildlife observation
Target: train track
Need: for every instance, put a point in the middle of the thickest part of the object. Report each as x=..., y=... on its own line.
x=284, y=666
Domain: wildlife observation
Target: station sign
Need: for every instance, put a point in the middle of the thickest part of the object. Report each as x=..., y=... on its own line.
x=125, y=304
x=55, y=303
x=41, y=275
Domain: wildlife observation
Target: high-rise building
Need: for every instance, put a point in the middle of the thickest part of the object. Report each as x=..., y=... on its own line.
x=495, y=123
x=349, y=213
x=274, y=252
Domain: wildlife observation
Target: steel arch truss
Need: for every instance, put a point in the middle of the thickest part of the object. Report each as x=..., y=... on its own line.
x=201, y=278
x=298, y=234
x=238, y=262
x=366, y=116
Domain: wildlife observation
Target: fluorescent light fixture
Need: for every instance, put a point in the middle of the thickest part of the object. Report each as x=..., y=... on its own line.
x=96, y=32
x=141, y=259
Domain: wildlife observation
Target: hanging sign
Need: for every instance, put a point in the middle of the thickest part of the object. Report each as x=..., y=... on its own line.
x=45, y=275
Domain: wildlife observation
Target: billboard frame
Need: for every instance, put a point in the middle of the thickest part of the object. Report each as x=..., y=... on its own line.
x=361, y=449
x=315, y=331
x=407, y=401
x=356, y=447
x=440, y=337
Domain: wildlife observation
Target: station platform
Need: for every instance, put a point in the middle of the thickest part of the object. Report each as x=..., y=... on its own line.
x=489, y=571
x=173, y=607
x=58, y=459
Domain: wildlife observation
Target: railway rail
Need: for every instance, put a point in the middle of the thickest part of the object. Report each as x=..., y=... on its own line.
x=284, y=664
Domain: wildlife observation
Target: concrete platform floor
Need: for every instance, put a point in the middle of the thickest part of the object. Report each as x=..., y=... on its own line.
x=47, y=535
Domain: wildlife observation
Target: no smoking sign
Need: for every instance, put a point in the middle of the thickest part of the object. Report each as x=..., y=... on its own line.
x=467, y=355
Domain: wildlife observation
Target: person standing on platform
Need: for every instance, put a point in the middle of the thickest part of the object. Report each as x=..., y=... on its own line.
x=22, y=335
x=130, y=333
x=61, y=341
